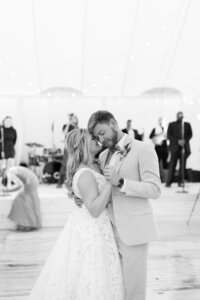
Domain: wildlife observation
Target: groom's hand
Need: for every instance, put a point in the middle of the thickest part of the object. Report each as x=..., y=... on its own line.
x=111, y=175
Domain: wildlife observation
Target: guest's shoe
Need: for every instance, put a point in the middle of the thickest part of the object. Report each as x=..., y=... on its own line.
x=20, y=228
x=59, y=186
x=168, y=184
x=23, y=228
x=27, y=228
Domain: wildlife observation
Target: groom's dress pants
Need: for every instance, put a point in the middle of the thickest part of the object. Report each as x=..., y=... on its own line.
x=134, y=268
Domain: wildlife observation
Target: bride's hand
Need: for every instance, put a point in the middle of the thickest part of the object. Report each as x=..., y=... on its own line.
x=3, y=189
x=78, y=201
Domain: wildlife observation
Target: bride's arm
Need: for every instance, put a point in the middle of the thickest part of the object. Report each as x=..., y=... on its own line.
x=93, y=200
x=18, y=184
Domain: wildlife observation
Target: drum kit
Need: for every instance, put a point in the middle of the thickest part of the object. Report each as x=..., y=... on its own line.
x=45, y=162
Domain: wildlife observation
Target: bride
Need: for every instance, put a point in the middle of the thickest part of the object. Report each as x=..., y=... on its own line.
x=84, y=263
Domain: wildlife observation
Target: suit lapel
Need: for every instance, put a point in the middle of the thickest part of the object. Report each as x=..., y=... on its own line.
x=128, y=140
x=104, y=158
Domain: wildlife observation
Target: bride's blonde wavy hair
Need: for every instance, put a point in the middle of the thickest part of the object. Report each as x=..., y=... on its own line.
x=78, y=149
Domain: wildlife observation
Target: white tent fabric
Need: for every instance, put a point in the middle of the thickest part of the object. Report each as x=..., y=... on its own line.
x=107, y=47
x=137, y=58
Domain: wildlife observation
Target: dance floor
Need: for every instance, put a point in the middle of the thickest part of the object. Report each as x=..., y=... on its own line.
x=174, y=260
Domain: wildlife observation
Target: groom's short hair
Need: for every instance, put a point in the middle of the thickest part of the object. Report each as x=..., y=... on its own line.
x=100, y=116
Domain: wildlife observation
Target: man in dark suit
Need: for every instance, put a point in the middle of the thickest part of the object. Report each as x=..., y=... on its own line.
x=133, y=132
x=158, y=136
x=179, y=134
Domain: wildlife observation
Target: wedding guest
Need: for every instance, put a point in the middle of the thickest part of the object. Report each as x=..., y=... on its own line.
x=179, y=134
x=25, y=211
x=8, y=137
x=158, y=136
x=134, y=133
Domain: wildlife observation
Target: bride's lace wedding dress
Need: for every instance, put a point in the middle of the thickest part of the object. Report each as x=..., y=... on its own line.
x=84, y=263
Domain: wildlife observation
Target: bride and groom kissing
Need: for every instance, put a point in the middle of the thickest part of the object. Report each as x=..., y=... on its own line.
x=102, y=251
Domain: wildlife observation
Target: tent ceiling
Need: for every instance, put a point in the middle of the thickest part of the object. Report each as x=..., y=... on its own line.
x=113, y=47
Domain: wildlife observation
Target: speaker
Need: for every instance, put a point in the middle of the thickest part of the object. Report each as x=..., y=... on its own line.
x=195, y=176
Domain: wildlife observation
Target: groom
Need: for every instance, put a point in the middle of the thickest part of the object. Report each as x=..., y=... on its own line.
x=132, y=168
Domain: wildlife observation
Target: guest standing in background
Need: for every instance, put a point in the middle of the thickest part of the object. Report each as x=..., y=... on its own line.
x=179, y=134
x=134, y=133
x=8, y=138
x=25, y=211
x=158, y=136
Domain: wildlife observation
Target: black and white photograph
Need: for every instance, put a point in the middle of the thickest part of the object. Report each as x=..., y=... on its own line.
x=99, y=150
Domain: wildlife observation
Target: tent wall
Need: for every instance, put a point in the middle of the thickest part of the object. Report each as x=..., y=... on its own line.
x=33, y=116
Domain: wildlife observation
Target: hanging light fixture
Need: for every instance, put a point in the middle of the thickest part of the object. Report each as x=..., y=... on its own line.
x=60, y=92
x=164, y=91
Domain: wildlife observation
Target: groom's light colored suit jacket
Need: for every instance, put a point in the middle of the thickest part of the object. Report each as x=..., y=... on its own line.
x=131, y=209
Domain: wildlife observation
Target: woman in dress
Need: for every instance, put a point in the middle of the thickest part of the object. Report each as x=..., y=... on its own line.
x=25, y=211
x=84, y=263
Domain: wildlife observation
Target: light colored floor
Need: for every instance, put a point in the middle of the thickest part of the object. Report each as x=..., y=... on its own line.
x=174, y=260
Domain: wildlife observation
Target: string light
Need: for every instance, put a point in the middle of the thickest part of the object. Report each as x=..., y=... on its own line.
x=120, y=69
x=106, y=77
x=13, y=73
x=148, y=44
